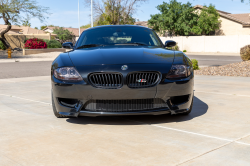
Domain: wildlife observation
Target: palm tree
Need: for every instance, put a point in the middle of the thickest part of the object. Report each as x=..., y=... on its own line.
x=26, y=23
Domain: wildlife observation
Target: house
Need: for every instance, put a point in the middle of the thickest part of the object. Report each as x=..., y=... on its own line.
x=25, y=30
x=231, y=24
x=17, y=35
x=75, y=31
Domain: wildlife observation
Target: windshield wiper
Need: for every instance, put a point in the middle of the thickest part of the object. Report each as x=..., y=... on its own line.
x=135, y=43
x=90, y=45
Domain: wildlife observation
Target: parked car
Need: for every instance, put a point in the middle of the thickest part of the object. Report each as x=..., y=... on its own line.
x=121, y=70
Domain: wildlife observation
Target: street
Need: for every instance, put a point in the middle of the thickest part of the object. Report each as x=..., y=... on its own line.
x=24, y=69
x=32, y=69
x=215, y=60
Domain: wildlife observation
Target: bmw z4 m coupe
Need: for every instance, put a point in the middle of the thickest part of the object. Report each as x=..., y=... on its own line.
x=121, y=70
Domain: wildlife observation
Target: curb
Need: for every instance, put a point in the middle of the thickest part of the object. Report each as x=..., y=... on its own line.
x=212, y=53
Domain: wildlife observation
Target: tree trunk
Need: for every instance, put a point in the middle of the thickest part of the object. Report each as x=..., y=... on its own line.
x=3, y=39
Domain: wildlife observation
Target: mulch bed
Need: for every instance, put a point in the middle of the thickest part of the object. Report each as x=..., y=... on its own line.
x=241, y=69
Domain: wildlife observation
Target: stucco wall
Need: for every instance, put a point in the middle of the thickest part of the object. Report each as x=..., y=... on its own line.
x=229, y=27
x=220, y=44
x=17, y=40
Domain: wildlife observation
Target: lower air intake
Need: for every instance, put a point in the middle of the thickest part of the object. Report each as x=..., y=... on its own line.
x=124, y=105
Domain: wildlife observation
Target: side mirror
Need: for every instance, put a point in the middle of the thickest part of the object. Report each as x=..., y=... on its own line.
x=170, y=43
x=68, y=45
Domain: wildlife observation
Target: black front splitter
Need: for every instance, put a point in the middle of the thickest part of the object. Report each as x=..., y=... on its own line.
x=144, y=112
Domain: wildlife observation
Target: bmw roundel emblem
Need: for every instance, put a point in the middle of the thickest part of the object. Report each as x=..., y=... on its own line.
x=124, y=67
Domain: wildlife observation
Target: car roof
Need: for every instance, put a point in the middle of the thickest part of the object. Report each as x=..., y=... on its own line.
x=102, y=26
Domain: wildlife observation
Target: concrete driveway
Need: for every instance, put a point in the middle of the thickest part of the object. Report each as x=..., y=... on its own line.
x=217, y=132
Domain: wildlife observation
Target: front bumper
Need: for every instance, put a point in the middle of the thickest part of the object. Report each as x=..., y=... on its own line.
x=165, y=90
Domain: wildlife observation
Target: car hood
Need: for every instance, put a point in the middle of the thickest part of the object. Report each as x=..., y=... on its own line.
x=112, y=56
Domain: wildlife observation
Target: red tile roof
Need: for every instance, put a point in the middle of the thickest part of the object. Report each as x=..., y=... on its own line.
x=244, y=19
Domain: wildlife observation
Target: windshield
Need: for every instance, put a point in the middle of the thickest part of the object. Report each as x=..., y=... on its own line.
x=119, y=35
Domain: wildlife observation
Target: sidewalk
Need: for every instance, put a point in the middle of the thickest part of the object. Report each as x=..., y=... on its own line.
x=25, y=60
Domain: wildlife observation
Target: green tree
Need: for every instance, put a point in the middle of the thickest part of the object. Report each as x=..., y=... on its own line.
x=208, y=21
x=18, y=11
x=26, y=23
x=175, y=18
x=63, y=35
x=42, y=27
x=115, y=12
x=86, y=26
x=114, y=15
x=36, y=28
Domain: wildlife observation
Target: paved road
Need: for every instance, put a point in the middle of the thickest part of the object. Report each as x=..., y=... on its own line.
x=216, y=133
x=214, y=60
x=24, y=69
x=32, y=69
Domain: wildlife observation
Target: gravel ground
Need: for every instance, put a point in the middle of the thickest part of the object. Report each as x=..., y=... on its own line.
x=241, y=69
x=19, y=54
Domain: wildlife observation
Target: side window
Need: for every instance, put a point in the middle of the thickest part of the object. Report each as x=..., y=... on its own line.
x=153, y=39
x=84, y=40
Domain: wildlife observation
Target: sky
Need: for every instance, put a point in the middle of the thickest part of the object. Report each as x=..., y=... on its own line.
x=64, y=13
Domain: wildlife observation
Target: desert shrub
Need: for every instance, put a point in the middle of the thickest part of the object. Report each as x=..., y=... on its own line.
x=2, y=46
x=245, y=53
x=53, y=38
x=184, y=50
x=195, y=64
x=63, y=35
x=35, y=44
x=53, y=44
x=176, y=48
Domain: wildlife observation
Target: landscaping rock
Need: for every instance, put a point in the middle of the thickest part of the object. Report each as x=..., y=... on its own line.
x=241, y=69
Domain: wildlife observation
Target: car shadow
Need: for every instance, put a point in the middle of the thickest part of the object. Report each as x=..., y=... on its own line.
x=199, y=109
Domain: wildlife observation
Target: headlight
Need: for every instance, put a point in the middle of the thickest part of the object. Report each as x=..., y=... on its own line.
x=67, y=74
x=179, y=71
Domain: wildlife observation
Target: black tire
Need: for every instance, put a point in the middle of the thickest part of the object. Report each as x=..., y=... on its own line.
x=190, y=109
x=54, y=108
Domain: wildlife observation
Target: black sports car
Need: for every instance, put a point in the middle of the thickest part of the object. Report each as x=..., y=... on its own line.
x=121, y=70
